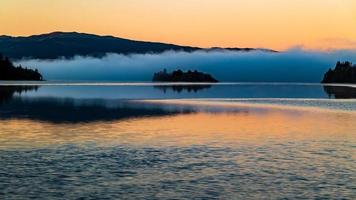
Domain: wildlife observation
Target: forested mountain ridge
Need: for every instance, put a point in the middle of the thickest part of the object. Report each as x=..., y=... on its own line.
x=69, y=44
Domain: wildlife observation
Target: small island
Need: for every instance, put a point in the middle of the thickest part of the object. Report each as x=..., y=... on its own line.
x=344, y=72
x=180, y=76
x=9, y=72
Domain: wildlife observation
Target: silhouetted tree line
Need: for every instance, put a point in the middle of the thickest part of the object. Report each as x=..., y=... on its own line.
x=180, y=76
x=10, y=72
x=344, y=72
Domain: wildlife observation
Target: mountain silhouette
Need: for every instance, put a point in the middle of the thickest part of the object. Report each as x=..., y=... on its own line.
x=69, y=44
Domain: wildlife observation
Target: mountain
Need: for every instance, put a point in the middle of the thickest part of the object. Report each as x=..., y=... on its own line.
x=68, y=44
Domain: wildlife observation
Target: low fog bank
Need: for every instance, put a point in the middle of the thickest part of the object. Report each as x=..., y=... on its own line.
x=294, y=65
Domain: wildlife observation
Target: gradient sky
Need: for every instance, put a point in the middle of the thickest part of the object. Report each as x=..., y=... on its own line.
x=277, y=24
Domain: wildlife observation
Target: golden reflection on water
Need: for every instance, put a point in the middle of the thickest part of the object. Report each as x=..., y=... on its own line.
x=201, y=128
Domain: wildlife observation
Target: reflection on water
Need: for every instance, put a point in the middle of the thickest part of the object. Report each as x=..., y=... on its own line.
x=56, y=144
x=340, y=92
x=250, y=154
x=7, y=92
x=178, y=91
x=208, y=126
x=76, y=111
x=181, y=88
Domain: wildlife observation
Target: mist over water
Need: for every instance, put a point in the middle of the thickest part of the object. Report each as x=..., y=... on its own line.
x=294, y=65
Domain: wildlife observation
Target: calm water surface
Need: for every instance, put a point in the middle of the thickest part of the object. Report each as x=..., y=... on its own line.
x=143, y=141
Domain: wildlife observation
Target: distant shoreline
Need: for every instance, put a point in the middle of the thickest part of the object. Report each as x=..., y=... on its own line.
x=149, y=83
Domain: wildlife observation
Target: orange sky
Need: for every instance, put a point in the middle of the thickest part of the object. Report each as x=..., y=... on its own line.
x=277, y=24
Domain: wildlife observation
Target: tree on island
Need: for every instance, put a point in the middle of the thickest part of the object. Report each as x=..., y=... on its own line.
x=10, y=72
x=180, y=76
x=344, y=72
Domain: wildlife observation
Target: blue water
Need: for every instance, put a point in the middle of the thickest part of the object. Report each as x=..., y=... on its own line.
x=186, y=90
x=143, y=141
x=196, y=172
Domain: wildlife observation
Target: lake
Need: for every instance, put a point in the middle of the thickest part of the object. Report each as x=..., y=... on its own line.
x=61, y=140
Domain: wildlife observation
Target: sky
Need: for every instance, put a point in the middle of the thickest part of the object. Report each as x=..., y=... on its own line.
x=274, y=24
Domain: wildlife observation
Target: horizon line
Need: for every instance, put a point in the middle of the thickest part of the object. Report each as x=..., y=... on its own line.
x=292, y=47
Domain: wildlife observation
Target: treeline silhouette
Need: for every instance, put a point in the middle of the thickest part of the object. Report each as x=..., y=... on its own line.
x=10, y=72
x=180, y=76
x=344, y=72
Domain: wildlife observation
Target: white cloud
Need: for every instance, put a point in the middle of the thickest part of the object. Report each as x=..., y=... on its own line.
x=294, y=65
